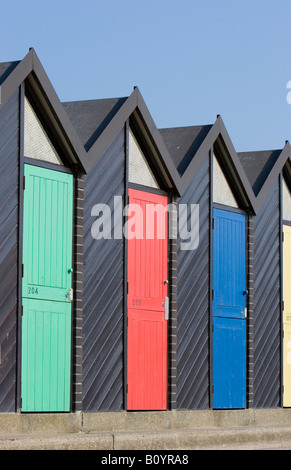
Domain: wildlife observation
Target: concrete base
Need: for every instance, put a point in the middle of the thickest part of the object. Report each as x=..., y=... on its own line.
x=145, y=430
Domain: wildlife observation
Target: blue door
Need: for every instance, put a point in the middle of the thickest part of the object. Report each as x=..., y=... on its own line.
x=229, y=310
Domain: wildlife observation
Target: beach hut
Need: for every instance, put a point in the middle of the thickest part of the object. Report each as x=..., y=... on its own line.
x=42, y=162
x=213, y=279
x=269, y=175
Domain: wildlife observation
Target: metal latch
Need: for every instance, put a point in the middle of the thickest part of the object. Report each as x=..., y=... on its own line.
x=166, y=305
x=69, y=294
x=245, y=312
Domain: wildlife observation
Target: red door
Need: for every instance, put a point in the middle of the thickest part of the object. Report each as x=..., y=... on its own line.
x=147, y=294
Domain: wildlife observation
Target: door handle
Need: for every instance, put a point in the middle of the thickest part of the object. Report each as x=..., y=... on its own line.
x=245, y=292
x=166, y=305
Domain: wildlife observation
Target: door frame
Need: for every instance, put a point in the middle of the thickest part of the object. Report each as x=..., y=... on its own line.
x=64, y=169
x=60, y=169
x=160, y=192
x=284, y=223
x=211, y=216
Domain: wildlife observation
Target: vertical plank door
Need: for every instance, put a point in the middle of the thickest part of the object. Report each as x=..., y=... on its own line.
x=287, y=316
x=147, y=294
x=46, y=290
x=229, y=313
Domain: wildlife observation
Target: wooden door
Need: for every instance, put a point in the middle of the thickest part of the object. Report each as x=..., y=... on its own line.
x=147, y=301
x=229, y=310
x=46, y=290
x=287, y=316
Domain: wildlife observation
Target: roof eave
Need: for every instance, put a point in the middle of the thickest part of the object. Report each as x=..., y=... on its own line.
x=282, y=161
x=219, y=137
x=135, y=107
x=31, y=70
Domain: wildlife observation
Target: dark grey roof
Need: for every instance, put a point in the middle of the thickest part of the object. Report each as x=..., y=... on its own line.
x=98, y=121
x=91, y=117
x=183, y=143
x=6, y=68
x=30, y=70
x=258, y=165
x=189, y=146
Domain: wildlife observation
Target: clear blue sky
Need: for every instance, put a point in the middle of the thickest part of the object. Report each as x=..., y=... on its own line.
x=191, y=59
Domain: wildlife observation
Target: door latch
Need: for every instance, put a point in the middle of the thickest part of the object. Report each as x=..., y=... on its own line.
x=166, y=305
x=69, y=294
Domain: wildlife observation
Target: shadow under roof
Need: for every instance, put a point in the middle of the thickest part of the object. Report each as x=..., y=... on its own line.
x=6, y=68
x=258, y=165
x=91, y=117
x=183, y=143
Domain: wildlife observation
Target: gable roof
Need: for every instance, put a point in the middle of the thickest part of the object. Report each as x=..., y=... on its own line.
x=6, y=68
x=190, y=145
x=99, y=121
x=86, y=128
x=183, y=143
x=30, y=70
x=263, y=167
x=91, y=117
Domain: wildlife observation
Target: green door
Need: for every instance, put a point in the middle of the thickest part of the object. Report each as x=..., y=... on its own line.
x=46, y=290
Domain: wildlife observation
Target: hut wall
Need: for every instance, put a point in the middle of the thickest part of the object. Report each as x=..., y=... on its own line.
x=193, y=303
x=103, y=289
x=9, y=183
x=267, y=301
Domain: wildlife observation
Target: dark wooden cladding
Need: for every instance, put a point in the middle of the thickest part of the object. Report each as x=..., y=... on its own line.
x=103, y=290
x=9, y=157
x=267, y=312
x=193, y=304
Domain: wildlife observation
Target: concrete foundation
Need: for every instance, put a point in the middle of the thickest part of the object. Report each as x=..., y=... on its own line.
x=145, y=430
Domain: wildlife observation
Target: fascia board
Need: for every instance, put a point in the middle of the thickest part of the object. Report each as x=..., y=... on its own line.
x=30, y=64
x=243, y=181
x=202, y=152
x=218, y=129
x=274, y=173
x=159, y=143
x=134, y=102
x=63, y=120
x=16, y=77
x=111, y=131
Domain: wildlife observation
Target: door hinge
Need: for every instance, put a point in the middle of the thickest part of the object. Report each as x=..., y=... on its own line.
x=127, y=287
x=21, y=310
x=283, y=305
x=212, y=223
x=212, y=294
x=22, y=270
x=212, y=327
x=23, y=182
x=212, y=388
x=283, y=237
x=126, y=388
x=20, y=403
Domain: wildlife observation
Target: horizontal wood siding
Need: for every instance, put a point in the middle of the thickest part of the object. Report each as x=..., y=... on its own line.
x=193, y=304
x=9, y=156
x=103, y=290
